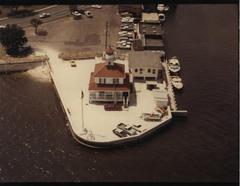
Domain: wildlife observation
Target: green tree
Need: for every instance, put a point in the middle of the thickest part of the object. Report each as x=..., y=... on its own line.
x=12, y=38
x=35, y=23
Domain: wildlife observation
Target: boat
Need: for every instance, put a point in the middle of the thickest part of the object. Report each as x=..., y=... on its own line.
x=174, y=65
x=177, y=82
x=151, y=117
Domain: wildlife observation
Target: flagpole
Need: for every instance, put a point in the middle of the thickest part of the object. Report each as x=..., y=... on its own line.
x=83, y=129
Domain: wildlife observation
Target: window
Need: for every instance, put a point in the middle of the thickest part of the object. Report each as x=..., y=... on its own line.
x=104, y=81
x=100, y=80
x=136, y=70
x=109, y=95
x=115, y=81
x=149, y=70
x=101, y=94
x=141, y=70
x=154, y=71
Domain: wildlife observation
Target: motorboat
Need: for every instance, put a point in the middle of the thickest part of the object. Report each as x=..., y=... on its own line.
x=173, y=64
x=177, y=82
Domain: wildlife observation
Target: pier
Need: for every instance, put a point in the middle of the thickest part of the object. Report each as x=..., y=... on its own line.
x=173, y=103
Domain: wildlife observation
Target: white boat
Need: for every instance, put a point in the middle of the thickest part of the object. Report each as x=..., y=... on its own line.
x=177, y=82
x=173, y=64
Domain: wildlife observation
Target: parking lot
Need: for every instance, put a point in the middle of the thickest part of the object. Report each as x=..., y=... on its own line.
x=86, y=34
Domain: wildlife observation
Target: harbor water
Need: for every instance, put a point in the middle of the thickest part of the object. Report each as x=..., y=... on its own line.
x=36, y=144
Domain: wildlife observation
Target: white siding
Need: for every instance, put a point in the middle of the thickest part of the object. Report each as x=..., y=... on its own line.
x=108, y=80
x=145, y=72
x=120, y=80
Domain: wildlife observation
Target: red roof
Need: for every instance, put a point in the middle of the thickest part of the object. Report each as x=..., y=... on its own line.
x=109, y=87
x=109, y=51
x=104, y=70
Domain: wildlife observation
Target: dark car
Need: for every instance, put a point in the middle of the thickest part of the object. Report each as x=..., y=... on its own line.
x=127, y=128
x=119, y=132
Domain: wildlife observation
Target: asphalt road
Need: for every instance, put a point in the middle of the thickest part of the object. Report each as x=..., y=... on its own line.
x=56, y=12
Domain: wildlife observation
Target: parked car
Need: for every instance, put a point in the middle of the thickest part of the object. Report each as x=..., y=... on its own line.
x=44, y=15
x=123, y=38
x=96, y=6
x=122, y=32
x=73, y=64
x=119, y=132
x=127, y=47
x=76, y=13
x=88, y=14
x=127, y=128
x=125, y=14
x=2, y=26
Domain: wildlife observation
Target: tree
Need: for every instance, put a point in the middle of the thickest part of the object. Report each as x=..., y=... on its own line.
x=12, y=38
x=35, y=23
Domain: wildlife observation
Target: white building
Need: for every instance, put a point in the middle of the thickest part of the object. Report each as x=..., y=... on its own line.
x=109, y=82
x=145, y=64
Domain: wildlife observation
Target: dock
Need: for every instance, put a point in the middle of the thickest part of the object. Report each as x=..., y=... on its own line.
x=172, y=99
x=180, y=113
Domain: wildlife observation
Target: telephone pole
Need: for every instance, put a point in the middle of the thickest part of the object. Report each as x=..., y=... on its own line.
x=106, y=34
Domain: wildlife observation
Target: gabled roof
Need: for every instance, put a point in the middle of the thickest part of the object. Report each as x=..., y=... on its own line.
x=104, y=70
x=145, y=59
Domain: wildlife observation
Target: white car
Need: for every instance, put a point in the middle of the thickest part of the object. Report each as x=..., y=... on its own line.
x=88, y=14
x=122, y=32
x=96, y=6
x=76, y=13
x=44, y=15
x=2, y=26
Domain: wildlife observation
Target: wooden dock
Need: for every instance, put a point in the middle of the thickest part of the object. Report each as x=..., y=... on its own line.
x=173, y=103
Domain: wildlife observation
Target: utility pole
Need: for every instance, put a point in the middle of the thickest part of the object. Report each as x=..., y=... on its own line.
x=106, y=34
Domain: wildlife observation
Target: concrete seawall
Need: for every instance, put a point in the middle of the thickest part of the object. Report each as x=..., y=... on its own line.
x=21, y=64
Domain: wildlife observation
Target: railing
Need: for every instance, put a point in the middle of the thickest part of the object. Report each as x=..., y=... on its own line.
x=106, y=98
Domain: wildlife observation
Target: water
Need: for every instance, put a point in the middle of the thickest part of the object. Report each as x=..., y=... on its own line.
x=36, y=144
